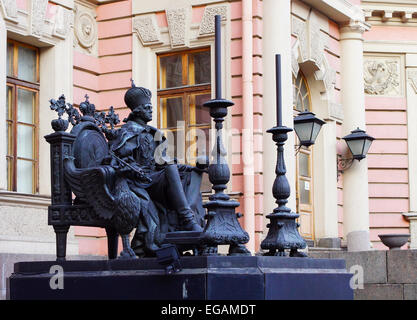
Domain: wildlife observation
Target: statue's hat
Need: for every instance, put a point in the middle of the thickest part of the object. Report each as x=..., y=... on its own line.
x=137, y=96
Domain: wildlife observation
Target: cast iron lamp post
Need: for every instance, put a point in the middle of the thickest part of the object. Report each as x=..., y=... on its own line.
x=282, y=229
x=222, y=225
x=307, y=128
x=359, y=143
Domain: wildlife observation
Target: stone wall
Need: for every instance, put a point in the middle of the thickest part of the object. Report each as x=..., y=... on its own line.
x=387, y=275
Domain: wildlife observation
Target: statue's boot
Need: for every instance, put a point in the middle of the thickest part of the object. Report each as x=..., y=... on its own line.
x=179, y=200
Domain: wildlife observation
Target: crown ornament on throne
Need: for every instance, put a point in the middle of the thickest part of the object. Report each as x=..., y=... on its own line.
x=106, y=122
x=87, y=109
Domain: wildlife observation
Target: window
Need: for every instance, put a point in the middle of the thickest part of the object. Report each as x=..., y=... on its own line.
x=304, y=176
x=22, y=94
x=183, y=87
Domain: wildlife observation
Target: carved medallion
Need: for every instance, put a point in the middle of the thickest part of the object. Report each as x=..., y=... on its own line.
x=85, y=29
x=382, y=76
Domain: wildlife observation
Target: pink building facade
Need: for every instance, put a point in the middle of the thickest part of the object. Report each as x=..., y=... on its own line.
x=352, y=63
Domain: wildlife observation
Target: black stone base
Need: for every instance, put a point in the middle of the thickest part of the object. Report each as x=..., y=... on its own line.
x=202, y=278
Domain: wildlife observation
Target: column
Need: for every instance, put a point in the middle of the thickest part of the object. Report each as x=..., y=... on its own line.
x=277, y=40
x=355, y=179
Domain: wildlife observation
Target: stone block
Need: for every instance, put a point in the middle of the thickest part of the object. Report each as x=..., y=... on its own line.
x=374, y=264
x=380, y=292
x=211, y=278
x=410, y=291
x=7, y=261
x=319, y=254
x=402, y=266
x=329, y=243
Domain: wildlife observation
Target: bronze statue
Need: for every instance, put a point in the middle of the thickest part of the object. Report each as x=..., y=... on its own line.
x=139, y=154
x=122, y=183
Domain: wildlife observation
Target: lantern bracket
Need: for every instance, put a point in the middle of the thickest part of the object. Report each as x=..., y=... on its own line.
x=343, y=164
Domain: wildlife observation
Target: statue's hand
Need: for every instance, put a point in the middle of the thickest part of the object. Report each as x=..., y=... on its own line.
x=139, y=174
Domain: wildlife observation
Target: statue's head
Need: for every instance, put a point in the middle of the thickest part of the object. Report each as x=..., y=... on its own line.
x=138, y=100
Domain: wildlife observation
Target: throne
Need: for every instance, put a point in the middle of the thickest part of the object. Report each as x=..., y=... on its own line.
x=82, y=182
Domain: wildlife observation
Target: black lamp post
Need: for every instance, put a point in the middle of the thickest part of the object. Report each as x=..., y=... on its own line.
x=282, y=229
x=307, y=127
x=222, y=221
x=359, y=143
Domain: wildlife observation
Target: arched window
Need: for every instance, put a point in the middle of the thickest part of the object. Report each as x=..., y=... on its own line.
x=304, y=174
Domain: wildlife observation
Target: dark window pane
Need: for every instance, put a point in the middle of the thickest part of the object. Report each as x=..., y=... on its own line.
x=170, y=71
x=9, y=173
x=9, y=109
x=200, y=67
x=10, y=59
x=304, y=192
x=171, y=112
x=25, y=138
x=25, y=170
x=303, y=164
x=202, y=114
x=26, y=64
x=25, y=106
x=9, y=132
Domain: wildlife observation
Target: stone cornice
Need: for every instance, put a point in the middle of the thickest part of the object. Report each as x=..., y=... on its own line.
x=33, y=24
x=14, y=198
x=388, y=13
x=356, y=26
x=341, y=11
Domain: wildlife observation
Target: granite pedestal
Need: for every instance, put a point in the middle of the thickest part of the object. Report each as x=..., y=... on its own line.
x=201, y=278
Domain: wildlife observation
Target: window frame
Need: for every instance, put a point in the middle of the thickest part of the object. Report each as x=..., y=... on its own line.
x=15, y=83
x=185, y=91
x=304, y=208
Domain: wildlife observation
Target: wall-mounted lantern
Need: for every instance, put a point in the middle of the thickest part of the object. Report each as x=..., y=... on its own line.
x=359, y=143
x=307, y=128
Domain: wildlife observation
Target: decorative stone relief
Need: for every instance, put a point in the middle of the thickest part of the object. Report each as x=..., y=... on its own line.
x=178, y=20
x=299, y=29
x=147, y=29
x=315, y=40
x=336, y=110
x=294, y=59
x=85, y=28
x=207, y=23
x=63, y=21
x=309, y=47
x=412, y=78
x=38, y=17
x=10, y=8
x=382, y=76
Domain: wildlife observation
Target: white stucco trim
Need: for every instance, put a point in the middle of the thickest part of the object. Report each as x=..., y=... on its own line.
x=141, y=7
x=339, y=10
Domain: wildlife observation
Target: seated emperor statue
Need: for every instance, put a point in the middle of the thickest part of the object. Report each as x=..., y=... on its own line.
x=167, y=190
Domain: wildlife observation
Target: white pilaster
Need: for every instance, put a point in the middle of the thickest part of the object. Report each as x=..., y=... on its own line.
x=3, y=64
x=56, y=68
x=277, y=20
x=325, y=183
x=355, y=179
